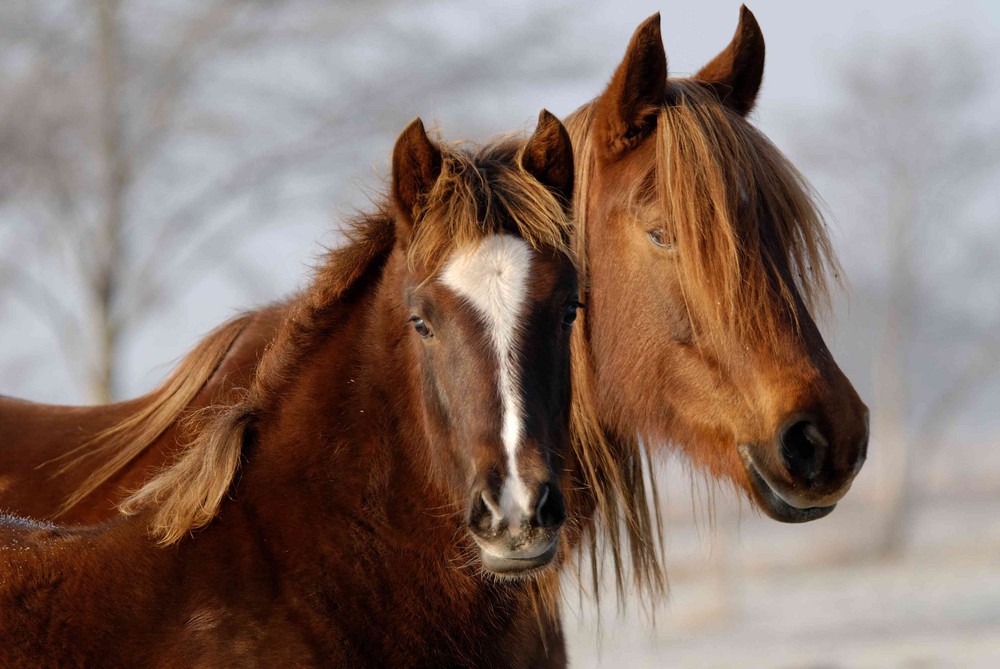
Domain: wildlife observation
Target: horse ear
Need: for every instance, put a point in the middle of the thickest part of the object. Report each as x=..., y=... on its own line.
x=548, y=156
x=628, y=107
x=736, y=73
x=416, y=166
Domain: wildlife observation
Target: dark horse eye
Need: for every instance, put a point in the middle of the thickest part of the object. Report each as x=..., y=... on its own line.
x=421, y=327
x=656, y=235
x=569, y=315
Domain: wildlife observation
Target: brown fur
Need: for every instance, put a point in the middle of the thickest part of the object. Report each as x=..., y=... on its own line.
x=736, y=73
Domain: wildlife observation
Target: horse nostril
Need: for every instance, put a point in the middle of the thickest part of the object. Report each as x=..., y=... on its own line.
x=551, y=509
x=804, y=448
x=483, y=512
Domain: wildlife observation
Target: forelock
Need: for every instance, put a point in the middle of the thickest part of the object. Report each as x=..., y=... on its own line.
x=485, y=192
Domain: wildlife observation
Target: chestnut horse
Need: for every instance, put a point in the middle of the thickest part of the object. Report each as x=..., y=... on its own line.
x=698, y=235
x=703, y=256
x=407, y=428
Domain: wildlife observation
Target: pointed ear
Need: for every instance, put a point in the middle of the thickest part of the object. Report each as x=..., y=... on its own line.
x=416, y=166
x=548, y=156
x=627, y=109
x=736, y=73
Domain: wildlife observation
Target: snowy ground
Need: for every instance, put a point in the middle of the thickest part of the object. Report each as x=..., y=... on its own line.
x=754, y=593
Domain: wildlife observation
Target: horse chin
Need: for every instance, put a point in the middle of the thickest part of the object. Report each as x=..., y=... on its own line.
x=771, y=502
x=515, y=566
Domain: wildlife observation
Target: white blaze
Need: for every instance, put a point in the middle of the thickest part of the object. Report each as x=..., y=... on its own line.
x=493, y=277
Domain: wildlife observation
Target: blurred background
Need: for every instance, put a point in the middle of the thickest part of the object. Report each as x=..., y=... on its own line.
x=166, y=164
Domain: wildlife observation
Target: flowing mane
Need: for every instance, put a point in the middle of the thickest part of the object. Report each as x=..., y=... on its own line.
x=188, y=491
x=121, y=443
x=478, y=193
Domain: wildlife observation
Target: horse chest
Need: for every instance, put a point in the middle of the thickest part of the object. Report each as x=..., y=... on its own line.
x=397, y=608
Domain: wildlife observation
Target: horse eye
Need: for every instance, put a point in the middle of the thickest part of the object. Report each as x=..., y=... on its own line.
x=569, y=315
x=421, y=327
x=656, y=236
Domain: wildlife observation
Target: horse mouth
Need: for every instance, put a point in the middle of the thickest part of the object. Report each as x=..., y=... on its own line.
x=518, y=566
x=770, y=500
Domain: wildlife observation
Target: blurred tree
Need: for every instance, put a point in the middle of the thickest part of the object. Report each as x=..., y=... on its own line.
x=140, y=142
x=96, y=100
x=911, y=160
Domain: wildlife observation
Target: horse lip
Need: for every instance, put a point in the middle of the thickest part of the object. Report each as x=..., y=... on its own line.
x=518, y=563
x=770, y=500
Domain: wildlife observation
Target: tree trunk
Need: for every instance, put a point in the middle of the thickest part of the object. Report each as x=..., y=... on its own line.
x=892, y=392
x=108, y=257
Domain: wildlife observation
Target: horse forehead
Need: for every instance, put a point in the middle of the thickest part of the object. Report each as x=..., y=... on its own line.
x=493, y=276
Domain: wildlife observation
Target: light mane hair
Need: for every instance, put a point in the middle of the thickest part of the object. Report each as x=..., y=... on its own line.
x=482, y=193
x=478, y=193
x=746, y=227
x=115, y=447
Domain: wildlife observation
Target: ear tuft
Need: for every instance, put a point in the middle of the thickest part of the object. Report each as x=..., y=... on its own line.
x=736, y=73
x=548, y=156
x=629, y=106
x=416, y=166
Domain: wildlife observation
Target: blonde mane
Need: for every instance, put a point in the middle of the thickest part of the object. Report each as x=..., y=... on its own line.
x=486, y=193
x=187, y=493
x=744, y=219
x=118, y=445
